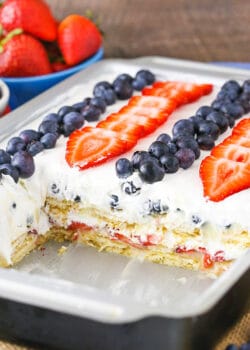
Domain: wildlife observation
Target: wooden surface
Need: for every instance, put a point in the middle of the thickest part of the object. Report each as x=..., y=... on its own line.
x=203, y=30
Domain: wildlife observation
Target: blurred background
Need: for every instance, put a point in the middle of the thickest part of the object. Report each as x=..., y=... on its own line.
x=201, y=30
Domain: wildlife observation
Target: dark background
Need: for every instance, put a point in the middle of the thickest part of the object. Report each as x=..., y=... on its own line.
x=201, y=30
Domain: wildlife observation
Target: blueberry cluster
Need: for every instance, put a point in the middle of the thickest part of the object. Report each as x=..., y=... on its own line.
x=122, y=88
x=199, y=132
x=17, y=160
x=245, y=346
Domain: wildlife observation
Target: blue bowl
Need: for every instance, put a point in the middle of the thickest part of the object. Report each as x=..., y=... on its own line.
x=23, y=89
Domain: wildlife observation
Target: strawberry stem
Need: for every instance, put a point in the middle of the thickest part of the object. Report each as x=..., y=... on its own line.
x=9, y=36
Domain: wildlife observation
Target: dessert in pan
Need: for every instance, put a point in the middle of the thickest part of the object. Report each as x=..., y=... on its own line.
x=165, y=177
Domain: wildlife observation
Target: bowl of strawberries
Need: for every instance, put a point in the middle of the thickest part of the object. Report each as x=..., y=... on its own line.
x=37, y=51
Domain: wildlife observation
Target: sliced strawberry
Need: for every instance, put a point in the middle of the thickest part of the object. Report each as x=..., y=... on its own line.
x=180, y=92
x=227, y=170
x=92, y=146
x=148, y=124
x=154, y=114
x=222, y=177
x=233, y=152
x=121, y=124
x=243, y=128
x=161, y=103
x=237, y=139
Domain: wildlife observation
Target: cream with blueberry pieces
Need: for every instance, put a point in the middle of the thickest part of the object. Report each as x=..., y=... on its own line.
x=150, y=204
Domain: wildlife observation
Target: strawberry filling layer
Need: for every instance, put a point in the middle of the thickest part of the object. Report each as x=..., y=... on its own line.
x=151, y=240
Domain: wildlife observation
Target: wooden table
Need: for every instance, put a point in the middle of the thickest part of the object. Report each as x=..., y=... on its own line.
x=201, y=30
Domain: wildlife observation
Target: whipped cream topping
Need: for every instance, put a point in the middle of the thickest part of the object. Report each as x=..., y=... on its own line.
x=181, y=194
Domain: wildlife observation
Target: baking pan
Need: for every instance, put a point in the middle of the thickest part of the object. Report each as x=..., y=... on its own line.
x=83, y=299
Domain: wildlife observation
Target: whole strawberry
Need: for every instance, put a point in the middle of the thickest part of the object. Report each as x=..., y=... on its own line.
x=78, y=39
x=33, y=16
x=21, y=55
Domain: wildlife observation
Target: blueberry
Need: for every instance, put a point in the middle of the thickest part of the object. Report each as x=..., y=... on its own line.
x=123, y=77
x=34, y=148
x=137, y=157
x=48, y=126
x=186, y=157
x=245, y=346
x=64, y=110
x=114, y=202
x=205, y=142
x=218, y=103
x=208, y=127
x=165, y=138
x=99, y=103
x=244, y=100
x=139, y=83
x=233, y=109
x=246, y=87
x=170, y=163
x=150, y=172
x=219, y=119
x=158, y=149
x=203, y=111
x=130, y=188
x=29, y=135
x=231, y=85
x=231, y=121
x=8, y=169
x=189, y=143
x=102, y=84
x=71, y=122
x=77, y=199
x=123, y=89
x=48, y=140
x=172, y=147
x=124, y=168
x=78, y=106
x=91, y=113
x=196, y=219
x=183, y=127
x=147, y=75
x=109, y=96
x=105, y=91
x=4, y=157
x=54, y=117
x=55, y=189
x=232, y=347
x=15, y=144
x=196, y=120
x=24, y=163
x=229, y=94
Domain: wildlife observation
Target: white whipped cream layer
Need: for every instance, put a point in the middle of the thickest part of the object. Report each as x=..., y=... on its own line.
x=181, y=192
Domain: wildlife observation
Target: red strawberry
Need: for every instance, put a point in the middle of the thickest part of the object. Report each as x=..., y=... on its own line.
x=33, y=16
x=91, y=146
x=122, y=124
x=79, y=226
x=157, y=115
x=22, y=55
x=161, y=103
x=58, y=66
x=179, y=92
x=78, y=38
x=227, y=170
